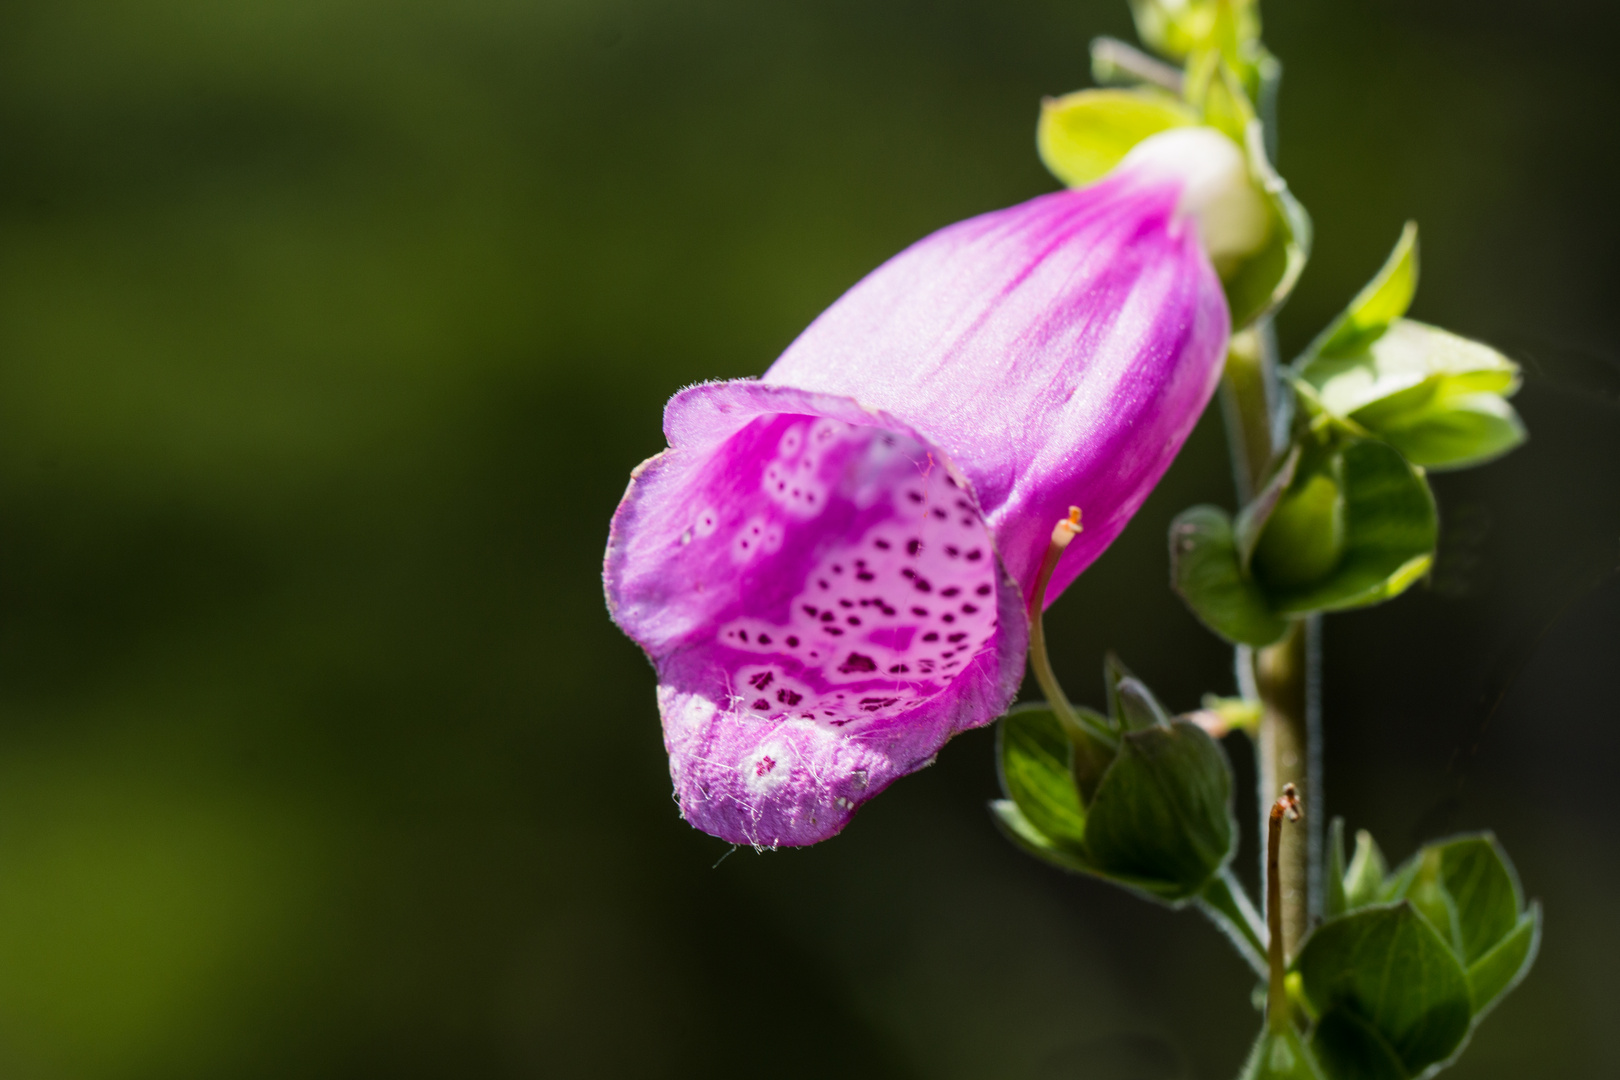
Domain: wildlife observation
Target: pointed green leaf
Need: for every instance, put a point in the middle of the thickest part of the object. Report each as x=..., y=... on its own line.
x=1436, y=397
x=1380, y=302
x=1410, y=367
x=1205, y=569
x=1162, y=817
x=1390, y=528
x=1406, y=369
x=1081, y=136
x=1500, y=969
x=1036, y=762
x=1387, y=968
x=1280, y=1055
x=1364, y=879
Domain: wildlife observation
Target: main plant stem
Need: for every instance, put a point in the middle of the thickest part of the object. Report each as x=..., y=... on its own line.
x=1284, y=676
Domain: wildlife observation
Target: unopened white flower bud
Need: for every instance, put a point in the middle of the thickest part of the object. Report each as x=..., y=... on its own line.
x=1217, y=191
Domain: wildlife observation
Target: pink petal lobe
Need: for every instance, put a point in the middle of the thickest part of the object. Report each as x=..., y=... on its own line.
x=822, y=600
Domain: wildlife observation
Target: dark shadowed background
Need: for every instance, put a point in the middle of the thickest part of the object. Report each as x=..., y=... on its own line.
x=329, y=333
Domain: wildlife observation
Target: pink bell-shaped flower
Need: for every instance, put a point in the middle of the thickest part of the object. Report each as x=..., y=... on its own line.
x=829, y=566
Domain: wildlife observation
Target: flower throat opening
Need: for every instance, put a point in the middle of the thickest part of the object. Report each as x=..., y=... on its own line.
x=861, y=578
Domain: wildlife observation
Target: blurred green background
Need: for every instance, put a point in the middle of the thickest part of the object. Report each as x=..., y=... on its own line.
x=329, y=333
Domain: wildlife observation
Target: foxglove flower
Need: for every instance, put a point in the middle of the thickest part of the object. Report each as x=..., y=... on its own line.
x=828, y=566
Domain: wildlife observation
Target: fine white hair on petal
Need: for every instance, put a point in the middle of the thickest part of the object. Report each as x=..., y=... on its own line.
x=1217, y=191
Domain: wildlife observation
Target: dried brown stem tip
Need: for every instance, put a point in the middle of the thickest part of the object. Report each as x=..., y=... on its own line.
x=1277, y=1010
x=1288, y=805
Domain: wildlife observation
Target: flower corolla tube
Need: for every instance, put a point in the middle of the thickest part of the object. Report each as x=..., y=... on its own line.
x=828, y=566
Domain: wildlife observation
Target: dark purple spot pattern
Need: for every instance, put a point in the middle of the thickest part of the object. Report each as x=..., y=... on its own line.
x=852, y=648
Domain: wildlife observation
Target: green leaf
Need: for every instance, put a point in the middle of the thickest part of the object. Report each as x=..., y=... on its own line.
x=1435, y=396
x=1464, y=432
x=1162, y=820
x=1081, y=136
x=1349, y=1048
x=1261, y=283
x=1036, y=762
x=1280, y=1055
x=1207, y=572
x=1500, y=969
x=1387, y=968
x=1389, y=532
x=1017, y=828
x=1364, y=879
x=1380, y=302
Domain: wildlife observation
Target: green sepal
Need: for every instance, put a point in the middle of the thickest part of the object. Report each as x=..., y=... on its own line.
x=1387, y=539
x=1464, y=892
x=1280, y=1055
x=1081, y=136
x=1131, y=705
x=1159, y=822
x=1162, y=820
x=1355, y=525
x=1301, y=540
x=1206, y=570
x=1383, y=978
x=1035, y=759
x=1380, y=302
x=1260, y=284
